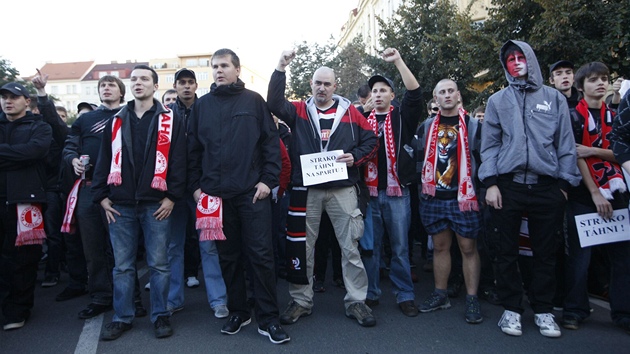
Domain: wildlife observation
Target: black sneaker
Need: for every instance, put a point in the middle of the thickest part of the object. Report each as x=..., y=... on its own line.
x=490, y=295
x=408, y=308
x=162, y=327
x=318, y=286
x=434, y=302
x=360, y=312
x=15, y=323
x=473, y=311
x=570, y=322
x=372, y=302
x=234, y=324
x=69, y=294
x=114, y=330
x=93, y=310
x=139, y=311
x=275, y=333
x=50, y=281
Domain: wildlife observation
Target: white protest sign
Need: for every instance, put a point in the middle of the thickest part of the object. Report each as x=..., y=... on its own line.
x=594, y=230
x=321, y=168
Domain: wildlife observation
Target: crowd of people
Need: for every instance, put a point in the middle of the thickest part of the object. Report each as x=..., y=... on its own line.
x=254, y=190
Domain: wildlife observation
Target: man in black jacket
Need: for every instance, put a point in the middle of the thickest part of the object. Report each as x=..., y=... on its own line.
x=85, y=139
x=24, y=143
x=234, y=159
x=139, y=175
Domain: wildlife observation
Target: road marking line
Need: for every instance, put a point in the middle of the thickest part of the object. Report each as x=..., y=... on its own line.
x=90, y=335
x=88, y=340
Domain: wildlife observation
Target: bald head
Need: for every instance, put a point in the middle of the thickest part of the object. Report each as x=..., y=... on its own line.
x=323, y=85
x=447, y=96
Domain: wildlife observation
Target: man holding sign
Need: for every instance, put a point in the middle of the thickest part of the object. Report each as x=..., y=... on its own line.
x=602, y=191
x=321, y=125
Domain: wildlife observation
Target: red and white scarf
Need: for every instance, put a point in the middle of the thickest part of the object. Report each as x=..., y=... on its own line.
x=165, y=131
x=607, y=175
x=69, y=221
x=30, y=225
x=210, y=218
x=371, y=171
x=466, y=197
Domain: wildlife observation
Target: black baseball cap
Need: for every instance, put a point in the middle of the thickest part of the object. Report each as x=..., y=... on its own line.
x=378, y=78
x=16, y=89
x=561, y=64
x=90, y=106
x=185, y=73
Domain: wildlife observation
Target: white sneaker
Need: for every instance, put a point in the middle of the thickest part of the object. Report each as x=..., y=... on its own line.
x=510, y=323
x=192, y=282
x=547, y=325
x=148, y=286
x=221, y=311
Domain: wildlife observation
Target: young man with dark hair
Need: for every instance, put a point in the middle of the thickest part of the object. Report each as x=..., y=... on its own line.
x=561, y=77
x=479, y=113
x=138, y=177
x=528, y=163
x=24, y=143
x=388, y=176
x=234, y=162
x=84, y=139
x=170, y=96
x=447, y=162
x=603, y=189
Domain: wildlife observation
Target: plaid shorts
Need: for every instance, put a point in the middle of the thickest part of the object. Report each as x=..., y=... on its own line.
x=439, y=214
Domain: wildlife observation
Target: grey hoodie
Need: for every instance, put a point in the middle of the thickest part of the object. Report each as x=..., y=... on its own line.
x=527, y=130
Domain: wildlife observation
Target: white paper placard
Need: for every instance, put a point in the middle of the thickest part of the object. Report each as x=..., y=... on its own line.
x=594, y=230
x=321, y=168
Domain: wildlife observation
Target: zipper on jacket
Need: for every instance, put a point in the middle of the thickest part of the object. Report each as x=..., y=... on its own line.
x=526, y=138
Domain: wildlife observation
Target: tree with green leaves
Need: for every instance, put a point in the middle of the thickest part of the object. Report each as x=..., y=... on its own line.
x=581, y=31
x=7, y=72
x=352, y=66
x=308, y=58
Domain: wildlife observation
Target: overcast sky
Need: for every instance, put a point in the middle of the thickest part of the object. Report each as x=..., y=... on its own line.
x=69, y=30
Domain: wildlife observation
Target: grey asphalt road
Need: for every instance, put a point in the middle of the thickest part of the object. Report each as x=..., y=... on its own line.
x=55, y=328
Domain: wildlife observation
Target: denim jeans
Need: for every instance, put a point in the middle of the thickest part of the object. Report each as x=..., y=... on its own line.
x=215, y=286
x=393, y=214
x=124, y=234
x=577, y=263
x=177, y=239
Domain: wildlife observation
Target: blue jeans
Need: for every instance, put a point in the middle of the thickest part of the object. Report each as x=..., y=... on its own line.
x=393, y=214
x=179, y=219
x=215, y=286
x=124, y=234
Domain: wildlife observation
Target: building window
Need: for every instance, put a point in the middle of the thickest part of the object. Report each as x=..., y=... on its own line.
x=192, y=62
x=88, y=91
x=114, y=73
x=202, y=91
x=203, y=76
x=204, y=62
x=101, y=74
x=170, y=78
x=54, y=90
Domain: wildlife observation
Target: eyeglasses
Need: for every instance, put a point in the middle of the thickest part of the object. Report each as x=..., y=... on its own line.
x=435, y=109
